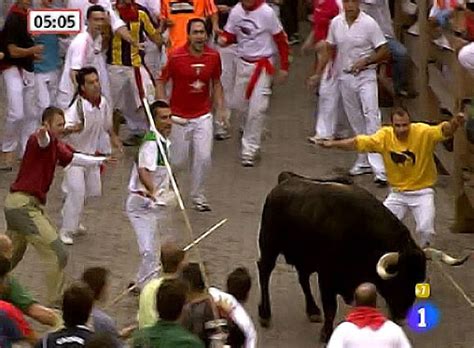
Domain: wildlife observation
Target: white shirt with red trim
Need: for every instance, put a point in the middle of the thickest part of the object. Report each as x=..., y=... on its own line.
x=254, y=31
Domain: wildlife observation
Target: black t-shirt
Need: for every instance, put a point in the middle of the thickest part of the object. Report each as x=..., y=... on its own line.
x=224, y=16
x=72, y=337
x=15, y=32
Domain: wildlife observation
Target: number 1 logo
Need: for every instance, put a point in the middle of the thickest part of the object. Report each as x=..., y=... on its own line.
x=423, y=316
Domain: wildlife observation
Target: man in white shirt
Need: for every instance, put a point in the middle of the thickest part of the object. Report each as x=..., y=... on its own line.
x=256, y=29
x=360, y=46
x=149, y=191
x=366, y=327
x=89, y=130
x=86, y=49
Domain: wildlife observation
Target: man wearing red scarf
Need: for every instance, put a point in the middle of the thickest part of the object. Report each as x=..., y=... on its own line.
x=366, y=326
x=254, y=26
x=17, y=70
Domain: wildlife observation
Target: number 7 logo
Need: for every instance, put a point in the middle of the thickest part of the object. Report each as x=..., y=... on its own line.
x=422, y=290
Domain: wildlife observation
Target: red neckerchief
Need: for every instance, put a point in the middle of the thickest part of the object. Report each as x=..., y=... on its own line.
x=128, y=12
x=366, y=316
x=18, y=10
x=95, y=102
x=256, y=5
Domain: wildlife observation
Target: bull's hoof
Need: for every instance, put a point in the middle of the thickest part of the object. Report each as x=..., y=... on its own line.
x=265, y=322
x=315, y=318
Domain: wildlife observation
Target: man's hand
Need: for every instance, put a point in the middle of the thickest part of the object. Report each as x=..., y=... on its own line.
x=37, y=50
x=42, y=131
x=111, y=159
x=281, y=77
x=169, y=23
x=222, y=117
x=459, y=119
x=313, y=81
x=222, y=41
x=77, y=128
x=224, y=8
x=2, y=55
x=359, y=66
x=117, y=144
x=327, y=144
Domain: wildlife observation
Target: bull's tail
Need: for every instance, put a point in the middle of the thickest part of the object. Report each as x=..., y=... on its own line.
x=338, y=179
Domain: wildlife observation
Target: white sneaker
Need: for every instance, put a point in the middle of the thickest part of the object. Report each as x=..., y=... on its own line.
x=443, y=42
x=414, y=30
x=409, y=8
x=81, y=230
x=359, y=170
x=66, y=237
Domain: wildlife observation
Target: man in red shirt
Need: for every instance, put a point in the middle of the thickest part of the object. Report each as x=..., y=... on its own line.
x=24, y=209
x=195, y=70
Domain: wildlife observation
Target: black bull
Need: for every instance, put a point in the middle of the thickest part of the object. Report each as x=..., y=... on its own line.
x=341, y=232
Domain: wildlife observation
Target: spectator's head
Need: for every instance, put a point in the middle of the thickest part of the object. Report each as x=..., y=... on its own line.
x=24, y=4
x=401, y=123
x=366, y=295
x=100, y=340
x=5, y=267
x=6, y=246
x=88, y=82
x=161, y=112
x=197, y=34
x=193, y=276
x=77, y=305
x=97, y=280
x=351, y=8
x=170, y=299
x=173, y=259
x=46, y=3
x=53, y=120
x=96, y=19
x=239, y=284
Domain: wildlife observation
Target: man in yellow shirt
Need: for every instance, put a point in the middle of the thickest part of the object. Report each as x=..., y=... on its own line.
x=408, y=154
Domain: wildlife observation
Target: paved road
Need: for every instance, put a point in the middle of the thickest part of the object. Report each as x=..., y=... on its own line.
x=238, y=193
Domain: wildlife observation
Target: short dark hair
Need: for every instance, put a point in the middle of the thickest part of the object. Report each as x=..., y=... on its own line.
x=5, y=266
x=96, y=279
x=101, y=340
x=77, y=304
x=239, y=283
x=82, y=73
x=192, y=21
x=399, y=111
x=94, y=8
x=49, y=113
x=171, y=257
x=192, y=274
x=159, y=104
x=170, y=299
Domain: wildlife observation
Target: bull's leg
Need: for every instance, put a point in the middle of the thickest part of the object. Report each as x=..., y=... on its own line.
x=312, y=310
x=266, y=264
x=328, y=297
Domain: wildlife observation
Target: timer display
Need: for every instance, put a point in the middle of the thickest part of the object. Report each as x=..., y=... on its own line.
x=54, y=21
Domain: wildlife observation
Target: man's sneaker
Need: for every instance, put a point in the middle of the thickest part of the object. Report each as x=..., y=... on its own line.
x=359, y=170
x=294, y=40
x=201, y=206
x=81, y=230
x=248, y=162
x=66, y=237
x=409, y=8
x=443, y=42
x=380, y=182
x=133, y=140
x=133, y=290
x=414, y=30
x=222, y=136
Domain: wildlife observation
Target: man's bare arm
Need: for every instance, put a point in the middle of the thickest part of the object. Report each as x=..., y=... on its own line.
x=344, y=144
x=44, y=315
x=449, y=128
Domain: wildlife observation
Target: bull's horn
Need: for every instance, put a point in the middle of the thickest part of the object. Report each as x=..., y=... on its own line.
x=386, y=260
x=438, y=255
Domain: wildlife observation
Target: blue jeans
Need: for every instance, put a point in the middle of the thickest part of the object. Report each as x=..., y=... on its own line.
x=399, y=58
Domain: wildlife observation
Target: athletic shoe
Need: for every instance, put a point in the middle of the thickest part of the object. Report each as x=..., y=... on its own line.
x=443, y=42
x=81, y=230
x=248, y=162
x=133, y=290
x=201, y=207
x=222, y=136
x=66, y=237
x=414, y=30
x=359, y=170
x=380, y=182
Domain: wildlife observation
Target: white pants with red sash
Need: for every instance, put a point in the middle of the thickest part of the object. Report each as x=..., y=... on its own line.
x=253, y=108
x=21, y=120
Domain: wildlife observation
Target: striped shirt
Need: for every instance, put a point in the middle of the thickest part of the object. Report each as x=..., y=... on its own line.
x=123, y=53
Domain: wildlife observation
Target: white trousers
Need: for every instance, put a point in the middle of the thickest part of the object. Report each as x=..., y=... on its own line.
x=78, y=184
x=254, y=110
x=46, y=86
x=126, y=97
x=229, y=64
x=194, y=136
x=152, y=57
x=422, y=206
x=21, y=119
x=145, y=218
x=466, y=57
x=330, y=117
x=360, y=100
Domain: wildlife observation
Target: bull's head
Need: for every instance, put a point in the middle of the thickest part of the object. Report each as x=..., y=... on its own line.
x=402, y=271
